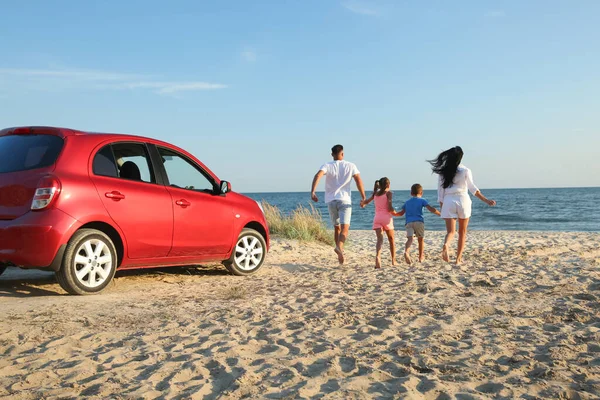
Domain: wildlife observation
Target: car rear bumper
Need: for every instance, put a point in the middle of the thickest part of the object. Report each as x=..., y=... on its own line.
x=35, y=239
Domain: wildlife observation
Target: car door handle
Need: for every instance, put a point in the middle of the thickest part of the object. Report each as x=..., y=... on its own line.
x=116, y=196
x=183, y=203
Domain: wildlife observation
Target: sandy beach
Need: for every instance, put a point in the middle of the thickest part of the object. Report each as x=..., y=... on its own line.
x=520, y=319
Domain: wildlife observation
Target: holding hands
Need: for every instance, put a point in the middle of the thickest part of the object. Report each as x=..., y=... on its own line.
x=364, y=202
x=397, y=213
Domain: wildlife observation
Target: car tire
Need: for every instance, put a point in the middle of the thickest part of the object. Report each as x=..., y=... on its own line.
x=2, y=268
x=89, y=263
x=249, y=253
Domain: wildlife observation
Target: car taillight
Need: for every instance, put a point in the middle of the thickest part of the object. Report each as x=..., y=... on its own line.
x=47, y=191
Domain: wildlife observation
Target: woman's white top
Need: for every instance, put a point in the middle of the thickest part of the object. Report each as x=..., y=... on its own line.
x=463, y=182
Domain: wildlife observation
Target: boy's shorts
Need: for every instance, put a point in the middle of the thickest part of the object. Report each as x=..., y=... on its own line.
x=416, y=228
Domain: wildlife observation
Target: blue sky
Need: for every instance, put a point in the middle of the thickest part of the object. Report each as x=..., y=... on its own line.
x=261, y=90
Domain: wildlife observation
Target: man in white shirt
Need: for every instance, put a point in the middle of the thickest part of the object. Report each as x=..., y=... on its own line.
x=338, y=178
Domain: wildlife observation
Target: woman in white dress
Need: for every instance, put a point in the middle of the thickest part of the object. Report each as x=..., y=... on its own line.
x=454, y=184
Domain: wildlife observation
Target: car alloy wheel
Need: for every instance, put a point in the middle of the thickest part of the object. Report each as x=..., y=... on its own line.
x=89, y=263
x=249, y=253
x=93, y=263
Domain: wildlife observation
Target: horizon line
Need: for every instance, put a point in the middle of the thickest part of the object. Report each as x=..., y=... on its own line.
x=408, y=190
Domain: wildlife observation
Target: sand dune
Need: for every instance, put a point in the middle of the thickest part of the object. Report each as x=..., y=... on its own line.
x=521, y=319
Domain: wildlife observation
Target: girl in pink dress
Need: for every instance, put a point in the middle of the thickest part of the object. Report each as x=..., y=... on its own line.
x=383, y=218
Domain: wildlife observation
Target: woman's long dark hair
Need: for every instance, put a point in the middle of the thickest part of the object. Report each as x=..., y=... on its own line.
x=380, y=186
x=446, y=164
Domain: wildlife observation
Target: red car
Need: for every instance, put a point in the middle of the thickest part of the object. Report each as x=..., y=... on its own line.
x=86, y=204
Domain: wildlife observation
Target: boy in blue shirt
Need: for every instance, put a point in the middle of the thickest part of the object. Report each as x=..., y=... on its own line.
x=415, y=223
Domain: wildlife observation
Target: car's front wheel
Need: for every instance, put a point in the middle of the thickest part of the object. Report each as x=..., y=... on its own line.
x=249, y=253
x=89, y=263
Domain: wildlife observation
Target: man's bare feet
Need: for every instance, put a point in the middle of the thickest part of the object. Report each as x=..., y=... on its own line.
x=407, y=258
x=340, y=254
x=394, y=262
x=421, y=258
x=445, y=256
x=377, y=262
x=459, y=262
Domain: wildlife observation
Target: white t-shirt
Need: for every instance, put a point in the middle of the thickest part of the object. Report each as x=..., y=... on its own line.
x=463, y=181
x=338, y=177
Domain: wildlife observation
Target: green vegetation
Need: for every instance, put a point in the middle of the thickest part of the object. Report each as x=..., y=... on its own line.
x=303, y=224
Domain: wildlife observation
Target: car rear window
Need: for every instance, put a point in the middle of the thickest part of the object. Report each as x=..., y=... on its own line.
x=104, y=163
x=25, y=152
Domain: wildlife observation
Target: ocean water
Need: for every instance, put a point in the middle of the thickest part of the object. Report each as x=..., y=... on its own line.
x=569, y=209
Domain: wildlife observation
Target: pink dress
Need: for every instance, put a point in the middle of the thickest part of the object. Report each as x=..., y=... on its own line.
x=383, y=218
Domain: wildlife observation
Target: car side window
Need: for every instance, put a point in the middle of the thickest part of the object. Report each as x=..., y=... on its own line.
x=104, y=163
x=133, y=162
x=184, y=174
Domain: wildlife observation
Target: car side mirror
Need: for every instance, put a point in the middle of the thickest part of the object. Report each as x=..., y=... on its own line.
x=225, y=187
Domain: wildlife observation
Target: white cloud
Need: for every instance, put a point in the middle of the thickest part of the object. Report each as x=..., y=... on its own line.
x=360, y=7
x=189, y=86
x=249, y=55
x=495, y=14
x=75, y=74
x=59, y=79
x=170, y=87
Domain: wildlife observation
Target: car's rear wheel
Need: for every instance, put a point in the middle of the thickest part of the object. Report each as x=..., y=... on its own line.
x=249, y=253
x=2, y=268
x=89, y=263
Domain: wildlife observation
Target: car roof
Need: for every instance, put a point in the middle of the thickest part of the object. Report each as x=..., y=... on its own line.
x=62, y=132
x=65, y=132
x=101, y=136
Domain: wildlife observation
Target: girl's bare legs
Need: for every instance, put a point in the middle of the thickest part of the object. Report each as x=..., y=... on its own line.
x=450, y=231
x=462, y=238
x=390, y=236
x=409, y=242
x=379, y=233
x=421, y=249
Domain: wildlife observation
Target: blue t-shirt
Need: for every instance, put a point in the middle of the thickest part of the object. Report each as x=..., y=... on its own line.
x=414, y=209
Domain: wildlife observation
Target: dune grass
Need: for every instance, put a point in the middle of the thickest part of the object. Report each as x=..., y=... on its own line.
x=303, y=224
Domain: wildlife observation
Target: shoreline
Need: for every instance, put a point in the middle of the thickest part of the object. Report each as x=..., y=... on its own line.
x=519, y=319
x=484, y=231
